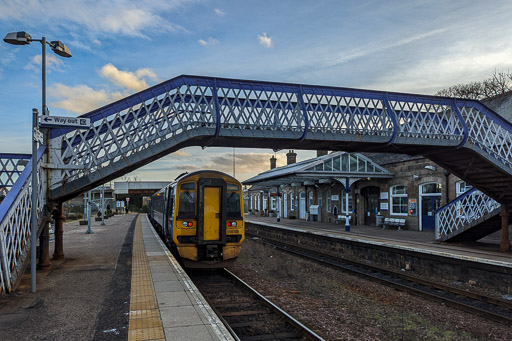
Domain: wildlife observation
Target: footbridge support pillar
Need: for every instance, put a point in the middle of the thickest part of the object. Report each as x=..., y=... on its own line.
x=59, y=230
x=44, y=247
x=505, y=240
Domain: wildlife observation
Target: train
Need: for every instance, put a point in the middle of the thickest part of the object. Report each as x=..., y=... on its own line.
x=200, y=216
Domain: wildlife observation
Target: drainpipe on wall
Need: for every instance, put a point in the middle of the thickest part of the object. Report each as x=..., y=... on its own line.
x=447, y=175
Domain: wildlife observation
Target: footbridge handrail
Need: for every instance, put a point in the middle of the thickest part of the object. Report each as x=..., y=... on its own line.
x=11, y=166
x=463, y=212
x=15, y=222
x=197, y=110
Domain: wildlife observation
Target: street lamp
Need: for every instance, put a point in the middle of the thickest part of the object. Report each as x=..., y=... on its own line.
x=23, y=38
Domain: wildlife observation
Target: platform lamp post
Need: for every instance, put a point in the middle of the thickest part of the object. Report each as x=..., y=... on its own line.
x=23, y=38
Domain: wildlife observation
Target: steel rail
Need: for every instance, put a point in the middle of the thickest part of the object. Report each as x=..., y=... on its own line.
x=345, y=264
x=240, y=305
x=305, y=330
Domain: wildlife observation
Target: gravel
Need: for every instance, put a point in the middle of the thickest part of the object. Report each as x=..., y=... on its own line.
x=339, y=306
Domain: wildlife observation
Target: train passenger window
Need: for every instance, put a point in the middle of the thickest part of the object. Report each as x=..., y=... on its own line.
x=233, y=202
x=187, y=201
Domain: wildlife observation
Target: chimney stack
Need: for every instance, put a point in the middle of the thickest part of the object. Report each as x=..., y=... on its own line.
x=291, y=157
x=273, y=162
x=321, y=153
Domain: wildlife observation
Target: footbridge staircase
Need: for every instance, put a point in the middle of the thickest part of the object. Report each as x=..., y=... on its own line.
x=463, y=136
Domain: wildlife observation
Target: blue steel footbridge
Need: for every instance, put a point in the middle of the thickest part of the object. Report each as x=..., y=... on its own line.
x=463, y=136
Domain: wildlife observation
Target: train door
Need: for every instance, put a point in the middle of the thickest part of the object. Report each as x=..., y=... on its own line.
x=212, y=215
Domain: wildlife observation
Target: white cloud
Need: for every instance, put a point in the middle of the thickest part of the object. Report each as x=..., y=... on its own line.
x=52, y=63
x=219, y=12
x=246, y=164
x=374, y=47
x=209, y=42
x=126, y=79
x=102, y=16
x=81, y=98
x=265, y=40
x=181, y=153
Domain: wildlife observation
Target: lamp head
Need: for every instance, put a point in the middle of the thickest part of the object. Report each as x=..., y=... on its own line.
x=59, y=48
x=18, y=38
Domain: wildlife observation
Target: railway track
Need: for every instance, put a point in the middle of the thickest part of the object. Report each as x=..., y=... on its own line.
x=485, y=306
x=247, y=314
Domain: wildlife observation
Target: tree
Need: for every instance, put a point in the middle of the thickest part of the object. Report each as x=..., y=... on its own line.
x=498, y=84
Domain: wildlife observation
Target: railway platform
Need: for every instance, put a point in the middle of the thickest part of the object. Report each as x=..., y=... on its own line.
x=486, y=250
x=118, y=283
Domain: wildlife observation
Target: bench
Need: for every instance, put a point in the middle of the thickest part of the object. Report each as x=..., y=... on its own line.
x=340, y=219
x=394, y=222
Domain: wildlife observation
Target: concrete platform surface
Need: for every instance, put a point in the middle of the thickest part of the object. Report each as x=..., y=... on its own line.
x=486, y=250
x=106, y=287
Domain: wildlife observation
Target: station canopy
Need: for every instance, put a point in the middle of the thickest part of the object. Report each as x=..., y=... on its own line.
x=320, y=170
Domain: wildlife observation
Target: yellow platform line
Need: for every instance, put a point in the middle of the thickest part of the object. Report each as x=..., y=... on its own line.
x=145, y=322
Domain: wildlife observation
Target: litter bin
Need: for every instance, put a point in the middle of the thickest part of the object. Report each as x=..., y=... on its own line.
x=380, y=220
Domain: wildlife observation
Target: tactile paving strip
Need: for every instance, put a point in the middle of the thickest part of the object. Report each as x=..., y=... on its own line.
x=145, y=322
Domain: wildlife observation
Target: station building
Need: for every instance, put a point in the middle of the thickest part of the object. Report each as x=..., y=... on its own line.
x=365, y=185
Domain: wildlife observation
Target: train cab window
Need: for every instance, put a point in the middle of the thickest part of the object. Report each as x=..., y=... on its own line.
x=187, y=200
x=233, y=202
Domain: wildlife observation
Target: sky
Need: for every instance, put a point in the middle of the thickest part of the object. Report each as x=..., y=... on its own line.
x=120, y=47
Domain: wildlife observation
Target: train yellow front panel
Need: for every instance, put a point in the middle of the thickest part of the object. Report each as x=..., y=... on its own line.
x=211, y=213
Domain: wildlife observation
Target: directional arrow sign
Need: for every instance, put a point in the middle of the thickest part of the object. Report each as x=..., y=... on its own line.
x=64, y=122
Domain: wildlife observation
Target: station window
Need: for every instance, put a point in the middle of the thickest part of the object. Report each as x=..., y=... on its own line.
x=329, y=200
x=292, y=202
x=399, y=200
x=273, y=203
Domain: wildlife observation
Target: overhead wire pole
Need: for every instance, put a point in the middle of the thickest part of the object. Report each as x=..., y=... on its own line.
x=89, y=209
x=103, y=205
x=234, y=174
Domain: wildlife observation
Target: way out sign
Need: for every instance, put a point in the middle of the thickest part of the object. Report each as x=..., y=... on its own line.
x=64, y=122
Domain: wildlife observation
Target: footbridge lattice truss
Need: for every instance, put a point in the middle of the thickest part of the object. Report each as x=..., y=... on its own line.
x=463, y=136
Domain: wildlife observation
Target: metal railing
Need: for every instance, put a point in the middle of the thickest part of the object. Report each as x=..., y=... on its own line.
x=464, y=212
x=11, y=166
x=15, y=222
x=187, y=107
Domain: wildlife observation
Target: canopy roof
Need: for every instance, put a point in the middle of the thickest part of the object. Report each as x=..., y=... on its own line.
x=321, y=169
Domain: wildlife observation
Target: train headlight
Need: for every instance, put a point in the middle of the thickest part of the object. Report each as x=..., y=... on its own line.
x=187, y=224
x=231, y=223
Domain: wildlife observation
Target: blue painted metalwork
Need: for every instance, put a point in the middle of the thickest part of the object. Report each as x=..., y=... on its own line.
x=189, y=107
x=15, y=222
x=462, y=213
x=464, y=125
x=217, y=110
x=195, y=110
x=304, y=113
x=11, y=166
x=392, y=115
